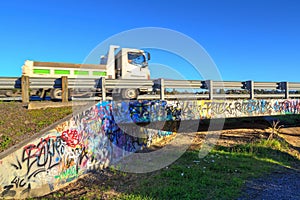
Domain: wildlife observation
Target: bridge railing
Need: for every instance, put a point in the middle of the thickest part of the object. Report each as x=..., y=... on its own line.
x=161, y=88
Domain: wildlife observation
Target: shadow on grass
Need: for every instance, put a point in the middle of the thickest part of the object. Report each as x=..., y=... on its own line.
x=219, y=175
x=262, y=122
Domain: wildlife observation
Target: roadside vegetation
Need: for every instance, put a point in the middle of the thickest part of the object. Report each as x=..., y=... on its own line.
x=17, y=122
x=222, y=174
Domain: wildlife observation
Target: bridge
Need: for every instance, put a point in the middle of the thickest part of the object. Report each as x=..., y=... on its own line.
x=96, y=137
x=20, y=88
x=105, y=132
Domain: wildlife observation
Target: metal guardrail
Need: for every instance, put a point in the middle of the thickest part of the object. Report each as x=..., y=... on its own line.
x=209, y=88
x=227, y=84
x=128, y=83
x=295, y=95
x=265, y=85
x=183, y=84
x=10, y=98
x=10, y=82
x=294, y=86
x=268, y=96
x=81, y=83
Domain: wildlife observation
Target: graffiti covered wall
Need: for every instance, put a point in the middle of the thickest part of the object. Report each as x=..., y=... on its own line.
x=93, y=139
x=208, y=109
x=148, y=111
x=88, y=141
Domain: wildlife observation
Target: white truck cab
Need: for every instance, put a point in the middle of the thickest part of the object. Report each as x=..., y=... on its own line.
x=126, y=63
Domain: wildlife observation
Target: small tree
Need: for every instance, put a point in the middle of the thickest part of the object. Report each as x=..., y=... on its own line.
x=275, y=129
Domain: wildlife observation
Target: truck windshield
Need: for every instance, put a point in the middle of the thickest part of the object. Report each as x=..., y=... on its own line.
x=137, y=59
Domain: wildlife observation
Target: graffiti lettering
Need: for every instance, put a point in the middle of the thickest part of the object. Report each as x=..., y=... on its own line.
x=68, y=175
x=71, y=137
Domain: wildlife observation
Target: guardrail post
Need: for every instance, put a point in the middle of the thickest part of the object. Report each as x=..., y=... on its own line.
x=103, y=90
x=284, y=86
x=162, y=89
x=210, y=87
x=286, y=90
x=251, y=89
x=25, y=89
x=249, y=85
x=64, y=89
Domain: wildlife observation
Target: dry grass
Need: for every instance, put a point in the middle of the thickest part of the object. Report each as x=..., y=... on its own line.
x=18, y=123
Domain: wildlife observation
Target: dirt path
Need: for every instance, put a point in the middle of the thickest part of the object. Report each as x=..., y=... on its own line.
x=279, y=185
x=291, y=135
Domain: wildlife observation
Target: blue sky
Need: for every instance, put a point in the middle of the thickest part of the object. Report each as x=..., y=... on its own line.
x=247, y=40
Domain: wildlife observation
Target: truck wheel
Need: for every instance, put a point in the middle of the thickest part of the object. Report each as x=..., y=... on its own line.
x=55, y=94
x=129, y=93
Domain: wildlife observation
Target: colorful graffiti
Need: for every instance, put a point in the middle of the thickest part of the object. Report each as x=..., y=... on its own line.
x=149, y=111
x=237, y=108
x=94, y=138
x=89, y=141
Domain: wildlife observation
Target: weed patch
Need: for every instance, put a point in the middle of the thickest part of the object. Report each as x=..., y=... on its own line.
x=5, y=142
x=220, y=175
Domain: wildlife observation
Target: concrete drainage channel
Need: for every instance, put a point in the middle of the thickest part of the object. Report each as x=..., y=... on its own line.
x=70, y=148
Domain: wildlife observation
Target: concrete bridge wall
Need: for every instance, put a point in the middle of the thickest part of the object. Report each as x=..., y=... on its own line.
x=93, y=139
x=147, y=111
x=88, y=141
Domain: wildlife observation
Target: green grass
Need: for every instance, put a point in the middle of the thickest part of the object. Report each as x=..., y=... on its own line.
x=290, y=119
x=5, y=141
x=220, y=175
